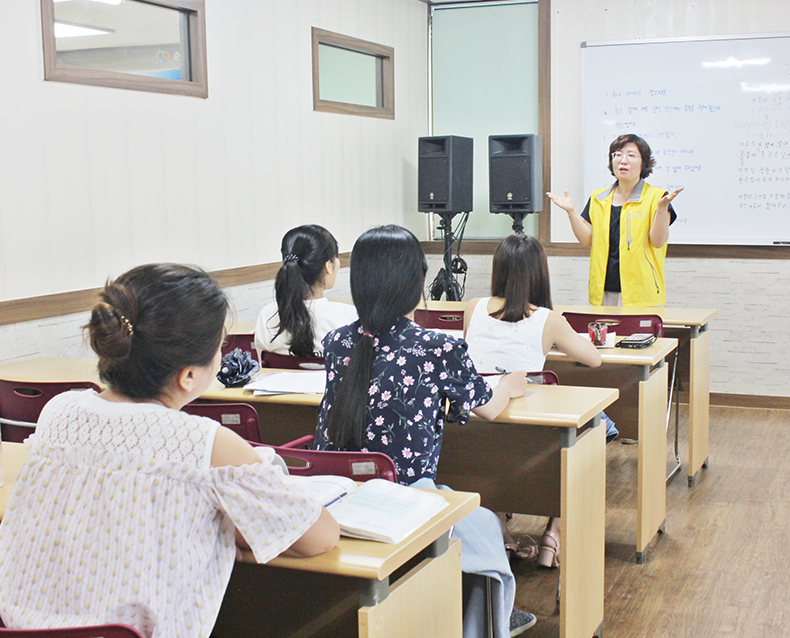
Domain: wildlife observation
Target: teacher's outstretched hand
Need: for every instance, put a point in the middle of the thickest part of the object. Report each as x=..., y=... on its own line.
x=582, y=229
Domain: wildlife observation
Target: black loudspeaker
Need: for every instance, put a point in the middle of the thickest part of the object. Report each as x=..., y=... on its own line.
x=444, y=182
x=515, y=173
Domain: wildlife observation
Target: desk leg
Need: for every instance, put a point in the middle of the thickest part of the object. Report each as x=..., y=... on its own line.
x=424, y=602
x=583, y=495
x=699, y=404
x=651, y=481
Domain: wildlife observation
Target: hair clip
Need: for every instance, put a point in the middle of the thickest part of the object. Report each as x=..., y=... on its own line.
x=128, y=323
x=290, y=257
x=367, y=334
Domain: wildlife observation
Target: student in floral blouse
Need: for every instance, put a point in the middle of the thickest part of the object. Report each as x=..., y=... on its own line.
x=389, y=381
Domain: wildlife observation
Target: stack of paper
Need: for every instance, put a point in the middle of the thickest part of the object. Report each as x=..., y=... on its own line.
x=296, y=382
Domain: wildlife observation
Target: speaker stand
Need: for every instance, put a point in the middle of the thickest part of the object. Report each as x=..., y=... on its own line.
x=518, y=222
x=445, y=283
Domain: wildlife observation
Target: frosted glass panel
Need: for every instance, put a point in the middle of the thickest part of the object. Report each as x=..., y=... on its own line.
x=348, y=76
x=485, y=82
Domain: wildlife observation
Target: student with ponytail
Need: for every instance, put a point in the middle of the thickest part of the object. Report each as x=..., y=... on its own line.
x=390, y=386
x=301, y=316
x=142, y=505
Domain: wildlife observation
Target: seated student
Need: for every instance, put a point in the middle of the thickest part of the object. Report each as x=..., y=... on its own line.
x=389, y=382
x=128, y=510
x=513, y=330
x=301, y=316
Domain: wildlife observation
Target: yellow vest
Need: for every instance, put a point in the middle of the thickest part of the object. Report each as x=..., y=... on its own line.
x=641, y=263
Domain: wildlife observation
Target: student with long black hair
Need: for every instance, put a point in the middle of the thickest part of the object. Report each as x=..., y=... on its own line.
x=301, y=316
x=390, y=386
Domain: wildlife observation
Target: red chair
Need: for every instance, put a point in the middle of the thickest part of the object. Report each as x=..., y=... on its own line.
x=244, y=341
x=440, y=319
x=97, y=631
x=22, y=401
x=622, y=325
x=239, y=417
x=360, y=466
x=289, y=362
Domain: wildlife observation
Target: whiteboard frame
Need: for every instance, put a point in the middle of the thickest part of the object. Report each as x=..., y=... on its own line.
x=777, y=246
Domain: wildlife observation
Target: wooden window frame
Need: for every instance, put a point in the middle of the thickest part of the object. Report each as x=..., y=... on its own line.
x=385, y=79
x=196, y=35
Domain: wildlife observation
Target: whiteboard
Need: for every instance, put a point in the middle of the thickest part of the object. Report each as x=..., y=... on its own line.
x=716, y=113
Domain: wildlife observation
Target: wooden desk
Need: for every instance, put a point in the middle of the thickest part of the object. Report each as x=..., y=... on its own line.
x=690, y=327
x=382, y=590
x=549, y=444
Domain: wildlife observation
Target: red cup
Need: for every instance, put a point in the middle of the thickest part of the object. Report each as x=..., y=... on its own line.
x=597, y=332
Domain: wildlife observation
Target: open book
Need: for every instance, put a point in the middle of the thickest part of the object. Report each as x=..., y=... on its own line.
x=376, y=510
x=296, y=382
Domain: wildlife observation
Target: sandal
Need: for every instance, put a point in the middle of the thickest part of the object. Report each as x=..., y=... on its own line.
x=549, y=553
x=521, y=549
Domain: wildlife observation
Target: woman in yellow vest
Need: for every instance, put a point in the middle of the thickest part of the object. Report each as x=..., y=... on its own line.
x=627, y=225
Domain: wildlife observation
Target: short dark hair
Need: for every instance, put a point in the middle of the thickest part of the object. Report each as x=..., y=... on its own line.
x=648, y=161
x=153, y=322
x=305, y=251
x=388, y=269
x=520, y=276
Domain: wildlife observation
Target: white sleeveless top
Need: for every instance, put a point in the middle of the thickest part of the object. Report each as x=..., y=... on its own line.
x=511, y=346
x=117, y=517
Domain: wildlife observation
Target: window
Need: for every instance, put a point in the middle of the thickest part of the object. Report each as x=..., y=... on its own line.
x=352, y=76
x=132, y=44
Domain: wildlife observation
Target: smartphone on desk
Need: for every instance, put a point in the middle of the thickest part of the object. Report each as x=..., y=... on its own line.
x=638, y=340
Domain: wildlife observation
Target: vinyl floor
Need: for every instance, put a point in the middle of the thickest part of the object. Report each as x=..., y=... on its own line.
x=722, y=570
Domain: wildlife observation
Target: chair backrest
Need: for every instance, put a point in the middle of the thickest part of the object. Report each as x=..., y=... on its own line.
x=21, y=403
x=244, y=341
x=242, y=418
x=289, y=362
x=360, y=466
x=546, y=377
x=541, y=377
x=441, y=319
x=622, y=325
x=97, y=631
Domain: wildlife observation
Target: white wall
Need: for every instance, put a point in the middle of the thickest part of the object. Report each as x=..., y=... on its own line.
x=749, y=356
x=96, y=180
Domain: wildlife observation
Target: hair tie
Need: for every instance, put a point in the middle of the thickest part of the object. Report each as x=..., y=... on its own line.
x=290, y=257
x=367, y=334
x=128, y=323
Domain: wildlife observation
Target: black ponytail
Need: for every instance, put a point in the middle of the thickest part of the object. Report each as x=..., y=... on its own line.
x=388, y=269
x=305, y=251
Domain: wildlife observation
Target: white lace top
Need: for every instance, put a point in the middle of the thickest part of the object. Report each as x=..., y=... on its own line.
x=117, y=516
x=327, y=316
x=509, y=345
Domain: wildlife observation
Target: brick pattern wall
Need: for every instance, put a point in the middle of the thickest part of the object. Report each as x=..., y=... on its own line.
x=750, y=347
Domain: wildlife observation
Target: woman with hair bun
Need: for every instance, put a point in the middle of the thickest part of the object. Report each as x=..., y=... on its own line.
x=142, y=505
x=301, y=316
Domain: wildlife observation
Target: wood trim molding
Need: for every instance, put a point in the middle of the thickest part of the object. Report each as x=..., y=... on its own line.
x=544, y=112
x=724, y=399
x=674, y=251
x=67, y=303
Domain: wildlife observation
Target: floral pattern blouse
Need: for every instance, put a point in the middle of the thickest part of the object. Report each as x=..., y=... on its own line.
x=417, y=375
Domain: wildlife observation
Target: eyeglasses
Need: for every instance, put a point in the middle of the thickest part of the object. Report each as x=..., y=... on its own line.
x=631, y=157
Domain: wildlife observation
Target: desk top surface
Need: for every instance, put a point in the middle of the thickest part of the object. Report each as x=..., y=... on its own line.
x=557, y=406
x=351, y=557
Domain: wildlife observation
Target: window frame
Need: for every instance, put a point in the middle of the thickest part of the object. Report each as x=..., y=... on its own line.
x=196, y=35
x=385, y=79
